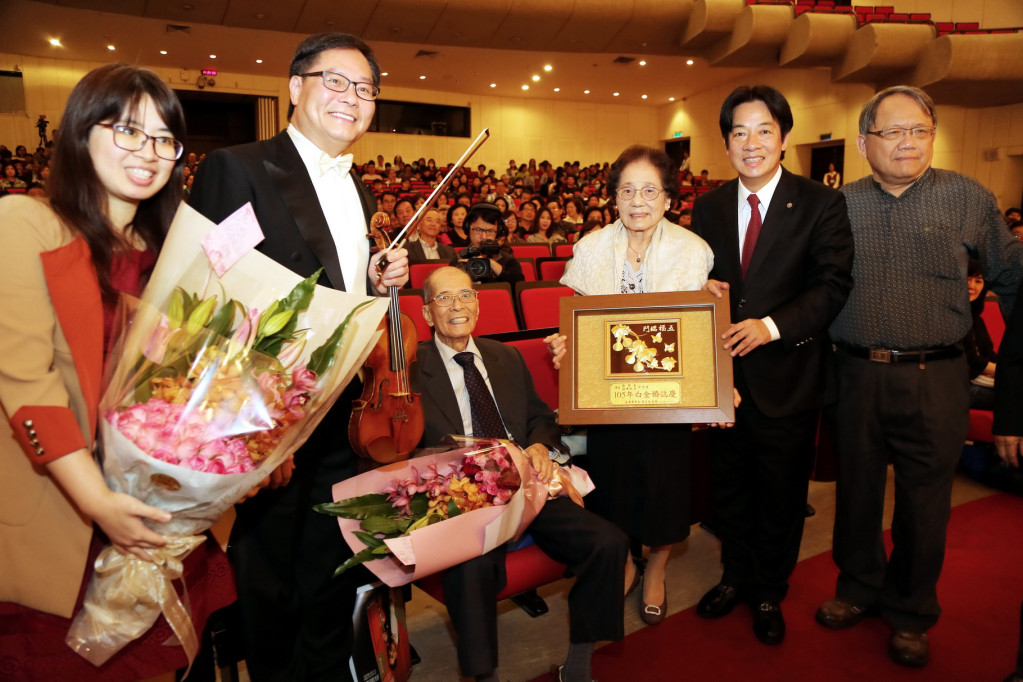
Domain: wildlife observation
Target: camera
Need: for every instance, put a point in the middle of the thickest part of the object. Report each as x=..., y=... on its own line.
x=477, y=263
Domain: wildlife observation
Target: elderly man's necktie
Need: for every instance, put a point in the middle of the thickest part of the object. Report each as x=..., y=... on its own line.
x=486, y=420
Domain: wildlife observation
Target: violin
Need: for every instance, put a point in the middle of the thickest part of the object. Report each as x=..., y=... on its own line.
x=387, y=420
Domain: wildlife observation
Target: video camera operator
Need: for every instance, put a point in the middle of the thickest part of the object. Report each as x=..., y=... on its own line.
x=487, y=259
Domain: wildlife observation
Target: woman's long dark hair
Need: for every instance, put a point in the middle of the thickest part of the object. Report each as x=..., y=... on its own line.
x=107, y=95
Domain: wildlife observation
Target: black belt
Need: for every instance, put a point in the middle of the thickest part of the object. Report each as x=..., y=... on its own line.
x=890, y=356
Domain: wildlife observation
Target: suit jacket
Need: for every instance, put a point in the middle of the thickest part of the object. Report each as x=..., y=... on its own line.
x=271, y=175
x=525, y=414
x=800, y=275
x=1009, y=376
x=51, y=348
x=416, y=254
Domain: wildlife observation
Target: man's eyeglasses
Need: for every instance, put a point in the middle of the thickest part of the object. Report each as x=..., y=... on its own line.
x=892, y=134
x=649, y=193
x=446, y=300
x=133, y=140
x=484, y=232
x=338, y=83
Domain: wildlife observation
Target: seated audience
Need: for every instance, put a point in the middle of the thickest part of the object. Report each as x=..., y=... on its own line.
x=483, y=388
x=980, y=351
x=427, y=248
x=547, y=231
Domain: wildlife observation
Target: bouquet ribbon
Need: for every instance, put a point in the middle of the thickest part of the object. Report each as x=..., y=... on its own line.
x=130, y=594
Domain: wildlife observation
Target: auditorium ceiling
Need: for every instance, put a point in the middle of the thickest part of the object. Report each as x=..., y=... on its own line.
x=495, y=47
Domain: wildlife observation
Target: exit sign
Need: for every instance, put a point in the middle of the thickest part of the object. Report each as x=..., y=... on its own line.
x=677, y=133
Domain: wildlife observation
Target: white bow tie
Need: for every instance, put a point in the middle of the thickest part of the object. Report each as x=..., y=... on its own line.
x=342, y=164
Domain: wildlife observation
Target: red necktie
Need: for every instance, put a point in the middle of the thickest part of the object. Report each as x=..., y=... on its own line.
x=486, y=420
x=752, y=232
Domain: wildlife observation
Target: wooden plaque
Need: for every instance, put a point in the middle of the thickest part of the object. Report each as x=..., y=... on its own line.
x=645, y=359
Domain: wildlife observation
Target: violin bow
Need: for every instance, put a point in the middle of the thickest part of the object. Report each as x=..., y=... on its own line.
x=399, y=239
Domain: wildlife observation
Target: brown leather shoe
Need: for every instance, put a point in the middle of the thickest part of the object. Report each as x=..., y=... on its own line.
x=909, y=648
x=839, y=614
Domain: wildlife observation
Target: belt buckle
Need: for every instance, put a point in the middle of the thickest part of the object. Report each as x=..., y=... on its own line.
x=880, y=355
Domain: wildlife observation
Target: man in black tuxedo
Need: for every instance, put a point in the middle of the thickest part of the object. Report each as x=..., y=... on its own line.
x=594, y=549
x=783, y=248
x=314, y=213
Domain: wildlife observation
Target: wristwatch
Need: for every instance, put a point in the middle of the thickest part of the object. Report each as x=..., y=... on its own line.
x=560, y=455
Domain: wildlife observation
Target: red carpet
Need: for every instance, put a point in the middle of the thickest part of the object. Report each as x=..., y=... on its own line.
x=975, y=640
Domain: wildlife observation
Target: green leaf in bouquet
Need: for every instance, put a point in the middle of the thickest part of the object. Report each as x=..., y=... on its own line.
x=419, y=504
x=369, y=539
x=453, y=509
x=360, y=558
x=223, y=319
x=381, y=524
x=323, y=357
x=362, y=507
x=381, y=550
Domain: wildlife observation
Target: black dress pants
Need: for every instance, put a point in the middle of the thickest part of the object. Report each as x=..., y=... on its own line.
x=916, y=416
x=594, y=550
x=296, y=618
x=760, y=473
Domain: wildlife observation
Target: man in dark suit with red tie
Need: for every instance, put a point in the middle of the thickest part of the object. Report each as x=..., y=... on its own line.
x=480, y=387
x=783, y=249
x=296, y=619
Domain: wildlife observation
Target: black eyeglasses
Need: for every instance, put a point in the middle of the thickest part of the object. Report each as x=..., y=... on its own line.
x=134, y=140
x=338, y=83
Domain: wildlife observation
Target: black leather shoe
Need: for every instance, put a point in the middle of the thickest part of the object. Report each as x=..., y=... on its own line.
x=768, y=623
x=718, y=602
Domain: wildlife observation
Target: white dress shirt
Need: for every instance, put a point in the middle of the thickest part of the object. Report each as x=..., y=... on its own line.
x=339, y=200
x=764, y=195
x=457, y=376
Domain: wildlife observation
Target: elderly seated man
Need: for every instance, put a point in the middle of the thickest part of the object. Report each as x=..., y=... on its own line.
x=481, y=387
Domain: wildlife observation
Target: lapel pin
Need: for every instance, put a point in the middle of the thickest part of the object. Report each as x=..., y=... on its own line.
x=788, y=205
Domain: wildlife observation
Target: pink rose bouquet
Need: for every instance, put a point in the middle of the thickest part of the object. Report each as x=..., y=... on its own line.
x=212, y=384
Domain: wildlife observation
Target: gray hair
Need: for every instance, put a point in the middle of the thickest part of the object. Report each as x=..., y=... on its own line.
x=869, y=111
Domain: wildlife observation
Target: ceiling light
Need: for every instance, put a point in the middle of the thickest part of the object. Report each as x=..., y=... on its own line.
x=586, y=92
x=642, y=62
x=111, y=48
x=548, y=67
x=163, y=51
x=536, y=78
x=525, y=87
x=213, y=56
x=557, y=89
x=615, y=93
x=671, y=99
x=384, y=73
x=689, y=62
x=493, y=85
x=55, y=42
x=422, y=78
x=259, y=61
x=644, y=96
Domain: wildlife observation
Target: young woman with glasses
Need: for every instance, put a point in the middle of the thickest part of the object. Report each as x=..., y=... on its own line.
x=116, y=183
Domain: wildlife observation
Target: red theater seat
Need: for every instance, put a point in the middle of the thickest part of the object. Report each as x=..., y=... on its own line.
x=551, y=269
x=417, y=273
x=531, y=250
x=411, y=303
x=497, y=312
x=540, y=305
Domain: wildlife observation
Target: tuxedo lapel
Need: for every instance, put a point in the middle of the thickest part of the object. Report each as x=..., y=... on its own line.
x=435, y=388
x=289, y=175
x=775, y=222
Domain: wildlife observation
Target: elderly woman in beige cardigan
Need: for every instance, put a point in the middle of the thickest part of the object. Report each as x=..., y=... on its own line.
x=641, y=472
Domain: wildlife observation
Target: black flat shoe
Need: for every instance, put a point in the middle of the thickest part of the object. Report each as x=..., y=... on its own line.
x=653, y=615
x=768, y=623
x=718, y=602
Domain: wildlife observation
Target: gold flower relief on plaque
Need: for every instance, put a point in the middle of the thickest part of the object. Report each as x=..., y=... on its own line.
x=643, y=346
